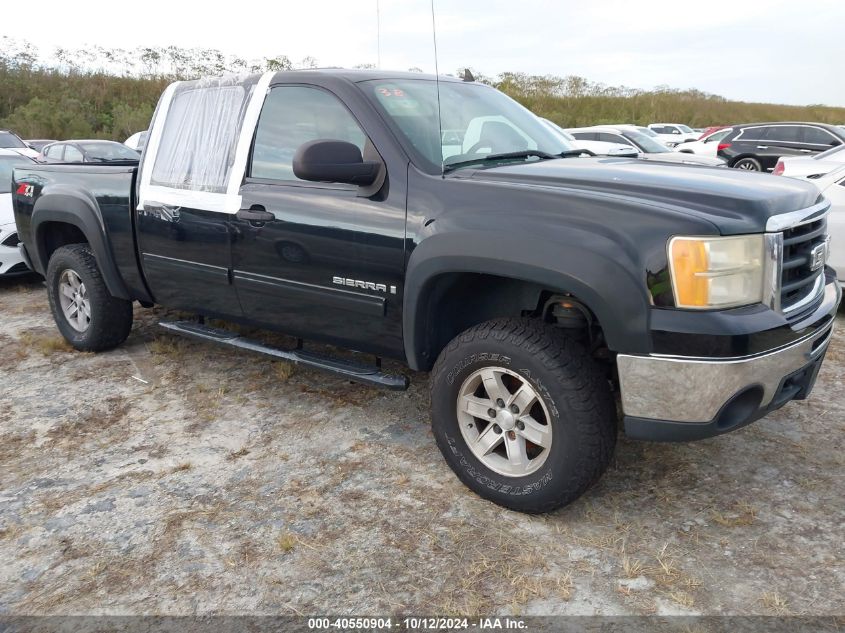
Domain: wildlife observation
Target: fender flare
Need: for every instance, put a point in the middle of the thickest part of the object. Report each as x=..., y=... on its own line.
x=67, y=205
x=601, y=281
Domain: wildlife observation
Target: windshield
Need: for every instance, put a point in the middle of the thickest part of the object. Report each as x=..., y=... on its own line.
x=476, y=121
x=7, y=164
x=108, y=151
x=685, y=129
x=559, y=130
x=718, y=135
x=646, y=131
x=646, y=143
x=7, y=139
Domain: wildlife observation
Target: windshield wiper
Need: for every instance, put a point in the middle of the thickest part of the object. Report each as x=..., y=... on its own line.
x=523, y=153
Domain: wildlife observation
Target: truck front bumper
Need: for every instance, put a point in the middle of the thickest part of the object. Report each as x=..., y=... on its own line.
x=682, y=398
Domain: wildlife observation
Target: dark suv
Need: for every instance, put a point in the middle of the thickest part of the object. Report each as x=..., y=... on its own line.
x=757, y=146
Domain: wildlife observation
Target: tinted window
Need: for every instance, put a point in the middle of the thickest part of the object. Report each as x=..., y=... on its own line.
x=818, y=136
x=72, y=155
x=7, y=139
x=754, y=134
x=786, y=133
x=607, y=137
x=292, y=116
x=585, y=136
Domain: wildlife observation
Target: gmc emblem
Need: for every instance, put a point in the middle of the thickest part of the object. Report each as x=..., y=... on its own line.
x=818, y=256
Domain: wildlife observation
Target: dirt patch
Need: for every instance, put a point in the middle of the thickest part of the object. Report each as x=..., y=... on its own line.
x=174, y=477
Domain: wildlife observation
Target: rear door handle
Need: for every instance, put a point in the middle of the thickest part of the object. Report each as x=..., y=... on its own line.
x=762, y=147
x=255, y=215
x=805, y=151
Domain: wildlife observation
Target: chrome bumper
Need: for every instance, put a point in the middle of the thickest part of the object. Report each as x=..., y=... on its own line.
x=694, y=390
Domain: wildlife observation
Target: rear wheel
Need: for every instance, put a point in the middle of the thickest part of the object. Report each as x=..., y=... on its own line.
x=748, y=164
x=522, y=414
x=87, y=315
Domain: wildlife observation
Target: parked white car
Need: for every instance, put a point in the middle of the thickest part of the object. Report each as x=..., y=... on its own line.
x=11, y=261
x=673, y=134
x=811, y=167
x=708, y=146
x=137, y=141
x=832, y=185
x=649, y=148
x=599, y=148
x=10, y=140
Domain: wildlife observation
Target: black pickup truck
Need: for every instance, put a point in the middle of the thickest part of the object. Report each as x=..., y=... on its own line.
x=442, y=224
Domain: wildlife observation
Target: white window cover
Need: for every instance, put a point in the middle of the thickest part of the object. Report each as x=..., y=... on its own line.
x=198, y=140
x=199, y=143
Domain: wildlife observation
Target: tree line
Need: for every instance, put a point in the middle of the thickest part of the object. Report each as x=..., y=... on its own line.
x=111, y=93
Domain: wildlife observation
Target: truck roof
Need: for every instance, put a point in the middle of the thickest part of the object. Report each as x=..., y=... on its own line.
x=353, y=75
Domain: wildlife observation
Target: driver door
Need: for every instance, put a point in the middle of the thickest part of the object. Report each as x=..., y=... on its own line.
x=318, y=260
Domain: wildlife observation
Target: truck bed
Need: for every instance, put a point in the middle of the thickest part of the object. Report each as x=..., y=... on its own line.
x=109, y=191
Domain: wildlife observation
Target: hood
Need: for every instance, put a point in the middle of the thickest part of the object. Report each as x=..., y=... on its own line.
x=733, y=200
x=7, y=215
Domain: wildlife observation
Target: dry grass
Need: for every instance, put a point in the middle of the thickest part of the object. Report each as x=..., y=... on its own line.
x=742, y=514
x=773, y=601
x=242, y=452
x=93, y=423
x=182, y=467
x=46, y=344
x=287, y=542
x=168, y=348
x=283, y=370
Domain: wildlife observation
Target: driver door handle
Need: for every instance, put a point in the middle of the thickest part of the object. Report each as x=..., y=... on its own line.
x=762, y=147
x=255, y=215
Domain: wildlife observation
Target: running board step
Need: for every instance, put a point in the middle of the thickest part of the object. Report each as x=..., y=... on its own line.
x=367, y=374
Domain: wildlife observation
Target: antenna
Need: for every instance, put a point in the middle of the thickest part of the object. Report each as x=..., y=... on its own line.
x=437, y=84
x=378, y=35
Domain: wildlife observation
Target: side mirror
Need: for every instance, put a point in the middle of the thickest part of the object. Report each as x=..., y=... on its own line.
x=676, y=131
x=334, y=161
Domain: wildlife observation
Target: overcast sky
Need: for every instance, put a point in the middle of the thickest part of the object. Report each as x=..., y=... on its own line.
x=781, y=51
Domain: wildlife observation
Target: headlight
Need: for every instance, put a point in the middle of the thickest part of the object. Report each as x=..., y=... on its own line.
x=717, y=272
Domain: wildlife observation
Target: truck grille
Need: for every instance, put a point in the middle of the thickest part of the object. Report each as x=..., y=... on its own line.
x=800, y=284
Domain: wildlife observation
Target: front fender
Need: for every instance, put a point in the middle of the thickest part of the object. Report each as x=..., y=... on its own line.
x=66, y=205
x=595, y=275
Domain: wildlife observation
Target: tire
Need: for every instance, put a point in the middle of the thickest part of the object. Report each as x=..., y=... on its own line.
x=572, y=394
x=748, y=164
x=105, y=320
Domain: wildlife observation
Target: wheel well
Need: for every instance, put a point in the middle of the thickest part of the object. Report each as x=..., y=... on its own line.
x=454, y=302
x=54, y=235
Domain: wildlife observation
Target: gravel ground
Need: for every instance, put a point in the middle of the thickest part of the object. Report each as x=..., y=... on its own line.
x=173, y=477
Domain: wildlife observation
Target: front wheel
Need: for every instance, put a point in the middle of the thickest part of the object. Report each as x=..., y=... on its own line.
x=522, y=414
x=748, y=164
x=87, y=315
